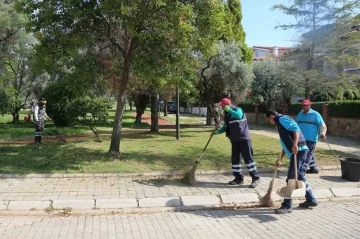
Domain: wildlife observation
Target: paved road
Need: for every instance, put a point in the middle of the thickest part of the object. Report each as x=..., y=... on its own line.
x=335, y=220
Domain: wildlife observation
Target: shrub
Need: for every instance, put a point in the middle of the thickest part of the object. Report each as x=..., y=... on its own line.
x=58, y=95
x=346, y=108
x=247, y=107
x=295, y=108
x=89, y=111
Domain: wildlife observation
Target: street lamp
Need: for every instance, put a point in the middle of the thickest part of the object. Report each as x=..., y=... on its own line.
x=177, y=112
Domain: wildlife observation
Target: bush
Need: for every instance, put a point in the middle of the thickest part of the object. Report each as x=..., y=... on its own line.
x=247, y=107
x=250, y=108
x=346, y=108
x=89, y=111
x=58, y=95
x=263, y=109
x=295, y=108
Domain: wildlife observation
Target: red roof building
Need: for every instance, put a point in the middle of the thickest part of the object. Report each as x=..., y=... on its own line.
x=260, y=52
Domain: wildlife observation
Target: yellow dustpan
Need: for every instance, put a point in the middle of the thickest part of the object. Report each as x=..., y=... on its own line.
x=294, y=188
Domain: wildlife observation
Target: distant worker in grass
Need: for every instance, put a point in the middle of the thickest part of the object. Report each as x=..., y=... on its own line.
x=237, y=130
x=39, y=122
x=311, y=125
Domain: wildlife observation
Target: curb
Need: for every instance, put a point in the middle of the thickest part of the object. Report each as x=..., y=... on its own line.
x=148, y=174
x=179, y=203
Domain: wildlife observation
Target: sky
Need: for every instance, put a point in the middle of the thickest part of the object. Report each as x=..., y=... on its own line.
x=259, y=23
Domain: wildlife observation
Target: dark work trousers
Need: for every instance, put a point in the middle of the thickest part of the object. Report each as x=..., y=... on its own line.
x=39, y=126
x=243, y=149
x=301, y=158
x=310, y=159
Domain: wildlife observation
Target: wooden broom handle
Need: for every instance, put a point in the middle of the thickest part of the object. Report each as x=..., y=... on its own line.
x=296, y=172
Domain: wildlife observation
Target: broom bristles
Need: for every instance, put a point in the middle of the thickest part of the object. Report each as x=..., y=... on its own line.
x=267, y=201
x=189, y=176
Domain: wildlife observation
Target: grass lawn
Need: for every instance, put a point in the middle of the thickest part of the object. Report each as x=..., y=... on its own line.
x=141, y=152
x=25, y=130
x=184, y=118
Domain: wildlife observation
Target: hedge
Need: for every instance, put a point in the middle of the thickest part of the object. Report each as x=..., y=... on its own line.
x=250, y=108
x=346, y=108
x=247, y=107
x=294, y=109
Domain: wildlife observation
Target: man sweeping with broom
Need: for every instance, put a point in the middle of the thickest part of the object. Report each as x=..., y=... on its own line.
x=237, y=130
x=293, y=142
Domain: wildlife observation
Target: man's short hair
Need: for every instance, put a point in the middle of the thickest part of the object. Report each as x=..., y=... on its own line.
x=271, y=112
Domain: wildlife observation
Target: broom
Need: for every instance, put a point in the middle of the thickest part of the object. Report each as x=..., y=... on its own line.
x=267, y=201
x=189, y=176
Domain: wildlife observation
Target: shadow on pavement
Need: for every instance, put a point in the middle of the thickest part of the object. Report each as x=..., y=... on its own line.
x=261, y=215
x=333, y=178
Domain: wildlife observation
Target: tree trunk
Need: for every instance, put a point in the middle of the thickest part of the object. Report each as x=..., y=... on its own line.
x=154, y=114
x=209, y=116
x=116, y=133
x=165, y=108
x=138, y=117
x=15, y=116
x=131, y=105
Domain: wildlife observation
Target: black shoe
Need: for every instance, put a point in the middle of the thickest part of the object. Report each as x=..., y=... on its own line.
x=312, y=171
x=236, y=182
x=308, y=204
x=254, y=182
x=283, y=210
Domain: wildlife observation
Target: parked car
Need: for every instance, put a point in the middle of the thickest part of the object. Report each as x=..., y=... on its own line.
x=171, y=107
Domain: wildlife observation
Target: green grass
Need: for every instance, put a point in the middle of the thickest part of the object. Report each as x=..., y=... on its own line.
x=141, y=152
x=189, y=118
x=182, y=120
x=25, y=130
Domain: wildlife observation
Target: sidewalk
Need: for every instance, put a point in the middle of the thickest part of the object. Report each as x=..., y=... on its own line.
x=130, y=193
x=342, y=144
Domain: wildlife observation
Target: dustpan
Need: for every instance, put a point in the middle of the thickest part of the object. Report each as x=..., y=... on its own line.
x=294, y=187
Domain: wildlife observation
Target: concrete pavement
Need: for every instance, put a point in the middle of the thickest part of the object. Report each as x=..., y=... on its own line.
x=154, y=191
x=327, y=221
x=342, y=144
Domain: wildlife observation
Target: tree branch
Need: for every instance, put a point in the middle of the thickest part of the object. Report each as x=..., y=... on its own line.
x=10, y=34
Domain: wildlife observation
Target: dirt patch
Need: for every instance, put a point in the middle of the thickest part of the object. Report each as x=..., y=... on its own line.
x=48, y=139
x=147, y=119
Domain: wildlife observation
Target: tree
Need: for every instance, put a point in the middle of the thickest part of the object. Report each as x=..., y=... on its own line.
x=343, y=63
x=124, y=30
x=274, y=82
x=10, y=23
x=235, y=17
x=7, y=99
x=89, y=111
x=316, y=18
x=223, y=74
x=18, y=74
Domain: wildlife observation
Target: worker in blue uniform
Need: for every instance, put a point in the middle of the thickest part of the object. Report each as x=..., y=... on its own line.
x=237, y=130
x=292, y=142
x=311, y=125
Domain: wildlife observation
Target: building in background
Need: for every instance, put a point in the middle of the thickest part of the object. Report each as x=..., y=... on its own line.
x=260, y=52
